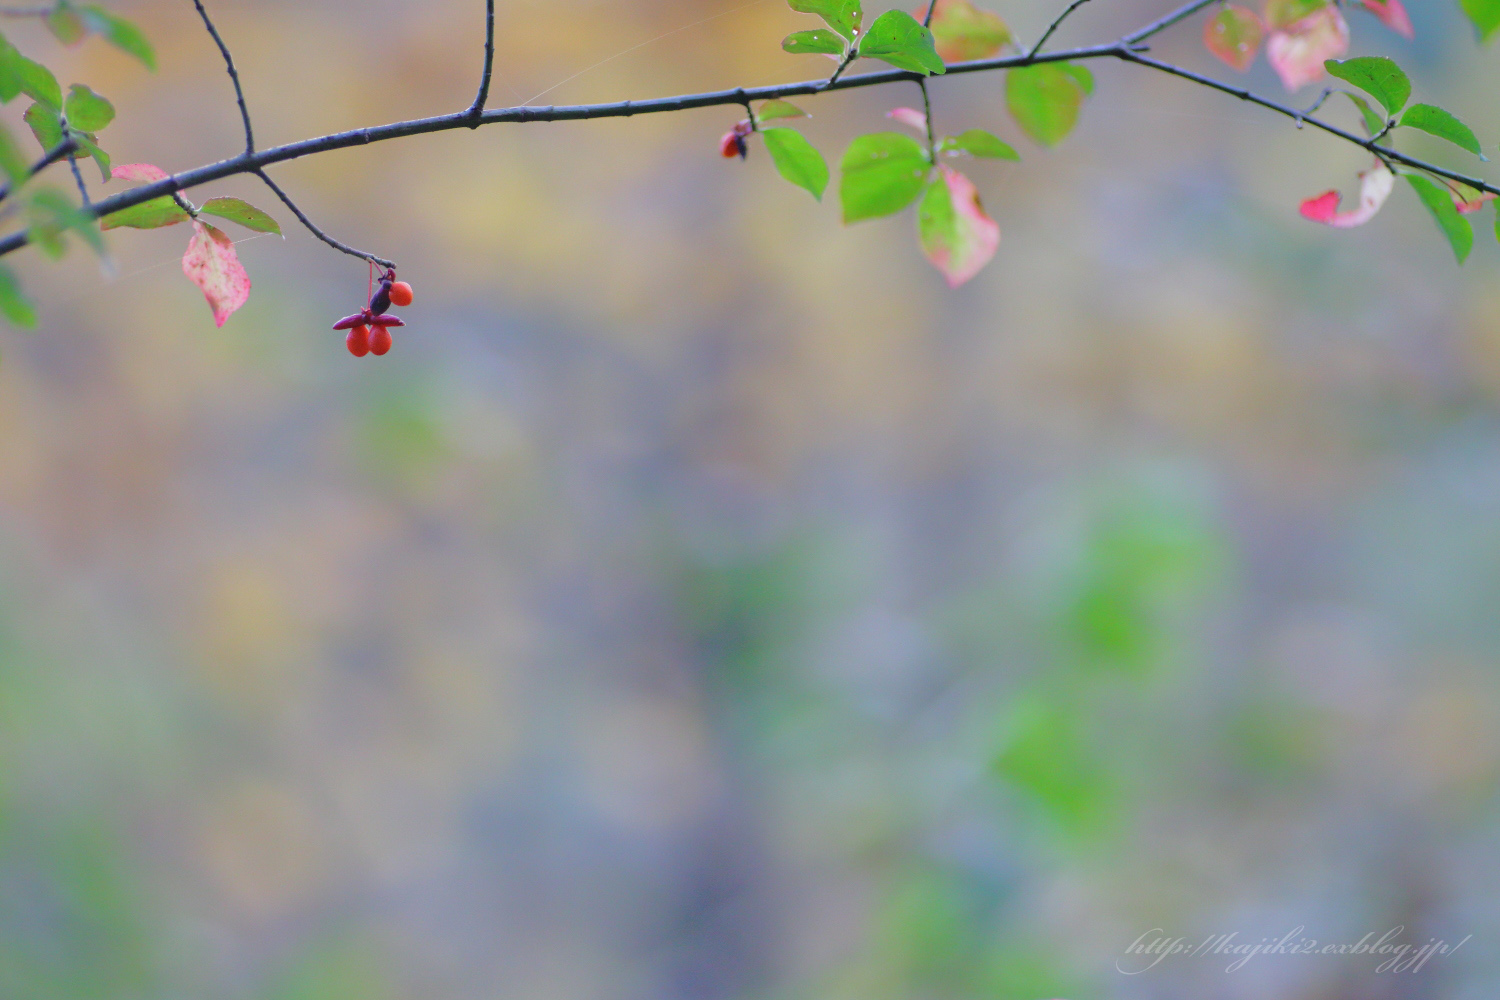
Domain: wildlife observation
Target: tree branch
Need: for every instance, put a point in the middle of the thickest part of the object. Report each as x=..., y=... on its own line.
x=1052, y=28
x=239, y=93
x=1127, y=49
x=477, y=108
x=342, y=247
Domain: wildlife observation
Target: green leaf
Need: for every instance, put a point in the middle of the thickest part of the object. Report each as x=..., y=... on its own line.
x=66, y=24
x=819, y=41
x=797, y=160
x=1046, y=100
x=245, y=214
x=37, y=82
x=1485, y=14
x=772, y=110
x=50, y=214
x=1435, y=121
x=89, y=143
x=1081, y=74
x=153, y=214
x=10, y=71
x=13, y=302
x=1374, y=123
x=86, y=110
x=1439, y=201
x=899, y=39
x=843, y=16
x=882, y=174
x=978, y=142
x=120, y=33
x=1377, y=76
x=45, y=124
x=12, y=163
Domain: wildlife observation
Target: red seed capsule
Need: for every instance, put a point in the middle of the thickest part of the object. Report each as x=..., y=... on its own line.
x=732, y=145
x=380, y=340
x=401, y=294
x=358, y=341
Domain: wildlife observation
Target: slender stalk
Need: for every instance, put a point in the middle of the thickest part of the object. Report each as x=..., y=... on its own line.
x=1052, y=28
x=927, y=117
x=477, y=108
x=239, y=93
x=83, y=189
x=302, y=217
x=1182, y=13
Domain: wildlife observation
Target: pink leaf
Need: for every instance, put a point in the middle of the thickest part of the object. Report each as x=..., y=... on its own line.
x=1467, y=206
x=910, y=117
x=1234, y=35
x=1393, y=15
x=956, y=235
x=1298, y=51
x=1375, y=187
x=143, y=173
x=212, y=265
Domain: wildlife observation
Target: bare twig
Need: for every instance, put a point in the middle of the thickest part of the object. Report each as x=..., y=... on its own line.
x=83, y=189
x=1182, y=13
x=302, y=217
x=239, y=93
x=477, y=108
x=1052, y=28
x=927, y=115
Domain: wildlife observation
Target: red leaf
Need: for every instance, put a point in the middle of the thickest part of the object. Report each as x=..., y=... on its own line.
x=212, y=265
x=143, y=173
x=1375, y=187
x=1393, y=15
x=1234, y=35
x=1298, y=52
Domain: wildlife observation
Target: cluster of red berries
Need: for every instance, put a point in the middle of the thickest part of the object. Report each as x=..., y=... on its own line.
x=733, y=143
x=370, y=328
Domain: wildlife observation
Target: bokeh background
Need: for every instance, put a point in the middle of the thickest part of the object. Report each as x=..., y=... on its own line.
x=701, y=601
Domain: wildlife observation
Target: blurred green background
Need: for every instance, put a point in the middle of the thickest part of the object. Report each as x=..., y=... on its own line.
x=701, y=600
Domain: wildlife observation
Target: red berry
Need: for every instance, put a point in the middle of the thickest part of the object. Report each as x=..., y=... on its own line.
x=401, y=294
x=732, y=145
x=380, y=340
x=359, y=341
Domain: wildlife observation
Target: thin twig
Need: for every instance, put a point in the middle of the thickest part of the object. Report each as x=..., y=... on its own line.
x=1182, y=13
x=239, y=93
x=343, y=247
x=1052, y=28
x=477, y=108
x=83, y=189
x=927, y=18
x=849, y=57
x=927, y=110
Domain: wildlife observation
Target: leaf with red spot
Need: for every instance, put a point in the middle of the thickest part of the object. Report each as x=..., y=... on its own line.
x=1375, y=187
x=956, y=234
x=212, y=265
x=1468, y=200
x=1298, y=51
x=1234, y=35
x=1393, y=15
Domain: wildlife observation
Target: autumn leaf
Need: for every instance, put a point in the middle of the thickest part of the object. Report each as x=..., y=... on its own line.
x=961, y=31
x=212, y=265
x=1298, y=51
x=1234, y=35
x=956, y=234
x=1393, y=15
x=1375, y=187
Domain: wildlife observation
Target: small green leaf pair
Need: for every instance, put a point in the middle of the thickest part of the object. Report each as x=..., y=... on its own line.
x=895, y=37
x=1385, y=81
x=885, y=172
